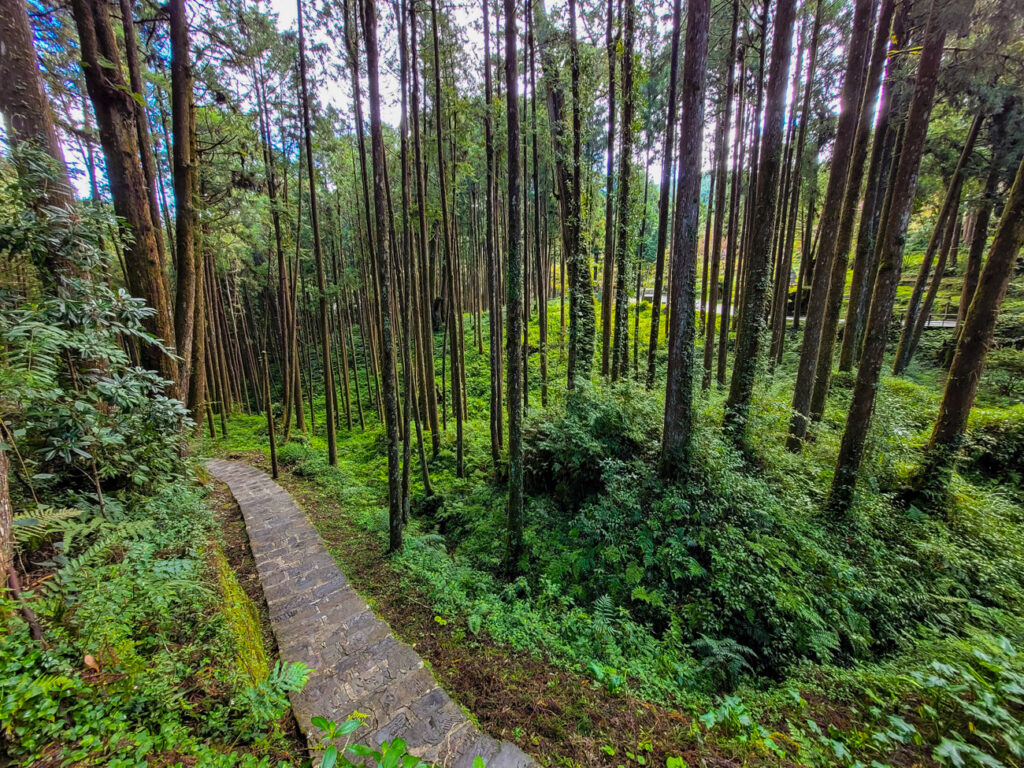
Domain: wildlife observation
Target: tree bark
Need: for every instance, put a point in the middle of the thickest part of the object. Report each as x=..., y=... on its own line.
x=384, y=275
x=721, y=165
x=451, y=265
x=620, y=352
x=24, y=102
x=903, y=190
x=513, y=300
x=607, y=272
x=318, y=252
x=115, y=118
x=186, y=190
x=830, y=219
x=779, y=330
x=840, y=257
x=142, y=118
x=678, y=422
x=950, y=204
x=665, y=194
x=493, y=301
x=748, y=339
x=975, y=339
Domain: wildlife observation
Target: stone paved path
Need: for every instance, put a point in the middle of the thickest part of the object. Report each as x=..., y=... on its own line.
x=319, y=620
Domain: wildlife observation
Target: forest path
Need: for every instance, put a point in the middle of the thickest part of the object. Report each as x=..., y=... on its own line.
x=319, y=620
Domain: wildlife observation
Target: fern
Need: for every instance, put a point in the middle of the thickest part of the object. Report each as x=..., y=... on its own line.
x=110, y=535
x=30, y=530
x=266, y=701
x=723, y=658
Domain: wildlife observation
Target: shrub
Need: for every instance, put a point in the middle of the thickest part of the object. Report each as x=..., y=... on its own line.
x=565, y=456
x=995, y=443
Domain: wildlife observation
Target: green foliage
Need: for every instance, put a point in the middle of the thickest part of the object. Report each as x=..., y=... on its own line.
x=965, y=711
x=569, y=456
x=607, y=677
x=1004, y=369
x=734, y=721
x=995, y=443
x=138, y=659
x=987, y=696
x=391, y=754
x=84, y=419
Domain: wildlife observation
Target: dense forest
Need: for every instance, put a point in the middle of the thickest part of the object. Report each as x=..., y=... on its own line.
x=655, y=370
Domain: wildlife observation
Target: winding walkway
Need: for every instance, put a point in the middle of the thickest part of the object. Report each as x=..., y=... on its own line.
x=319, y=620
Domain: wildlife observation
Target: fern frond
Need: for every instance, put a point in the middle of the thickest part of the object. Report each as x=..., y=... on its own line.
x=31, y=529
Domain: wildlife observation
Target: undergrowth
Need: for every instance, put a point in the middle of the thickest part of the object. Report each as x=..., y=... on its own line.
x=733, y=581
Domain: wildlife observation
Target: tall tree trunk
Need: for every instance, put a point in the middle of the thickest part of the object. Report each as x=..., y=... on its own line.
x=840, y=258
x=384, y=275
x=186, y=190
x=567, y=182
x=115, y=117
x=426, y=294
x=493, y=300
x=748, y=338
x=29, y=118
x=733, y=247
x=142, y=118
x=607, y=272
x=678, y=423
x=513, y=299
x=950, y=204
x=782, y=297
x=975, y=341
x=720, y=170
x=451, y=266
x=904, y=188
x=979, y=239
x=542, y=296
x=828, y=227
x=620, y=352
x=665, y=194
x=879, y=168
x=318, y=253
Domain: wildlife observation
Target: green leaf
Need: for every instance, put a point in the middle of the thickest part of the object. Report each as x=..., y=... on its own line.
x=348, y=727
x=322, y=723
x=330, y=757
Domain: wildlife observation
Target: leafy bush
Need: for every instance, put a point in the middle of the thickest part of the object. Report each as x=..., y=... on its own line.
x=966, y=710
x=565, y=456
x=391, y=754
x=140, y=664
x=995, y=443
x=83, y=417
x=1004, y=371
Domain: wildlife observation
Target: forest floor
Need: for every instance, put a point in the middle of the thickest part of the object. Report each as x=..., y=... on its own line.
x=557, y=716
